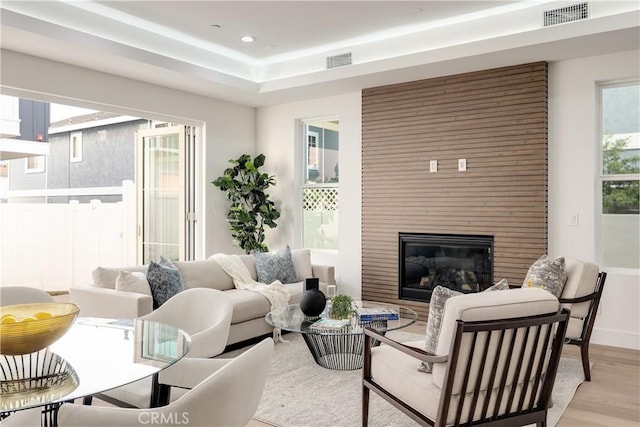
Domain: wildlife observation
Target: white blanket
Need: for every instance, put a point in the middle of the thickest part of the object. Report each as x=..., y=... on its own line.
x=276, y=292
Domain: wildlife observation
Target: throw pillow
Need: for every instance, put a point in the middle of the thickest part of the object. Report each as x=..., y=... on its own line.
x=502, y=285
x=275, y=266
x=133, y=282
x=439, y=297
x=165, y=281
x=548, y=274
x=302, y=263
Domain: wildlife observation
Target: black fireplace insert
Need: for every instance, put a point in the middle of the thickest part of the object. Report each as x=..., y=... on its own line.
x=463, y=263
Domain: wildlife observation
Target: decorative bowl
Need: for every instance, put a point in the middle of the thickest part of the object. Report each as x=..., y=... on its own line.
x=25, y=328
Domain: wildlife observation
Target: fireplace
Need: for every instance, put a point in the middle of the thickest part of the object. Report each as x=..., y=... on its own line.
x=460, y=262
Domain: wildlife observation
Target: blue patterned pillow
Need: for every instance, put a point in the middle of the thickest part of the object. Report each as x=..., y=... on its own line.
x=164, y=280
x=275, y=266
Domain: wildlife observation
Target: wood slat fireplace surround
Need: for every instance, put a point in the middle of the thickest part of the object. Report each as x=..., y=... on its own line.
x=496, y=120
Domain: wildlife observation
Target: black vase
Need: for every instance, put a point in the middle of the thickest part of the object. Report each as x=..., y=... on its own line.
x=313, y=300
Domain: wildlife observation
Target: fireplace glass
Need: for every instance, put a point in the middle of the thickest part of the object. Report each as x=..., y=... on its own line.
x=463, y=263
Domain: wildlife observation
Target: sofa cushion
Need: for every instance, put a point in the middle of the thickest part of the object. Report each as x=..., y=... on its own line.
x=275, y=266
x=439, y=296
x=247, y=305
x=548, y=274
x=165, y=281
x=133, y=282
x=204, y=274
x=302, y=263
x=105, y=277
x=396, y=371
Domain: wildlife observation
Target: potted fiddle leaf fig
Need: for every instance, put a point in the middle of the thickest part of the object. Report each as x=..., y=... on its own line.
x=342, y=307
x=251, y=209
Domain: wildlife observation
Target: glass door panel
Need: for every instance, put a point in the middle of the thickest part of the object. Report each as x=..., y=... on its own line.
x=161, y=218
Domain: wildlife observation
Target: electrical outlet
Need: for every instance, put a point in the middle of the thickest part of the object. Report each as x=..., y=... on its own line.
x=462, y=165
x=433, y=166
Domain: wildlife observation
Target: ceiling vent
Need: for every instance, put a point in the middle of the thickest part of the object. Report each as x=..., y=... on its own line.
x=561, y=15
x=338, y=60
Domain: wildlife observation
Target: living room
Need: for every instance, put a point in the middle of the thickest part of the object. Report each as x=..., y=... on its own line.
x=250, y=122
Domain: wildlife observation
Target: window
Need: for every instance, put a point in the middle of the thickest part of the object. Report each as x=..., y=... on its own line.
x=620, y=174
x=75, y=146
x=320, y=186
x=35, y=164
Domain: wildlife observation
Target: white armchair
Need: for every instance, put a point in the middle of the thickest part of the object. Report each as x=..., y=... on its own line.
x=495, y=364
x=11, y=295
x=581, y=295
x=205, y=314
x=228, y=397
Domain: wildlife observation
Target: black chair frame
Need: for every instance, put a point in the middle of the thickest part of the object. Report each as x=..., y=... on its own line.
x=547, y=331
x=588, y=322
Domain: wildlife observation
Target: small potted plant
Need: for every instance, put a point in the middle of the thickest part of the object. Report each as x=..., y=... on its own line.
x=342, y=307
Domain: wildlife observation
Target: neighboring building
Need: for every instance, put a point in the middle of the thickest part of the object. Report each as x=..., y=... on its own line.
x=89, y=157
x=24, y=125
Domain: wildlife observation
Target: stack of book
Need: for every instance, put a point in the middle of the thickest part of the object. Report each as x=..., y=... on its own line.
x=371, y=314
x=330, y=324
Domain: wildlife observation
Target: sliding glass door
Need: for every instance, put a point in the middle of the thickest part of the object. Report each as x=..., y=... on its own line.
x=165, y=214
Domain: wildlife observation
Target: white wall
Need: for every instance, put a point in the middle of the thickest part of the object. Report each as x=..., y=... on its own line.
x=278, y=130
x=572, y=181
x=573, y=175
x=229, y=129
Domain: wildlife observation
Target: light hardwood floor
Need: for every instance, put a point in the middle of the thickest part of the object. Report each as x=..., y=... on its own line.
x=611, y=399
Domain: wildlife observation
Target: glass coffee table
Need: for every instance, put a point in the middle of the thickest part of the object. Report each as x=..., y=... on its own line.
x=339, y=349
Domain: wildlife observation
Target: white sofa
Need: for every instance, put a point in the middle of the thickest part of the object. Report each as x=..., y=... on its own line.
x=101, y=299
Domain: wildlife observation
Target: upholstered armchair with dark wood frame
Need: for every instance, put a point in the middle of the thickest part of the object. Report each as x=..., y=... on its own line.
x=496, y=363
x=581, y=295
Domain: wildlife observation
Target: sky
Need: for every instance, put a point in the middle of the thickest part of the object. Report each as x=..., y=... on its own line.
x=60, y=112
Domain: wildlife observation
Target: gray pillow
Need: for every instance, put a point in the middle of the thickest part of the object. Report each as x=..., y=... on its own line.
x=165, y=281
x=439, y=297
x=548, y=274
x=275, y=266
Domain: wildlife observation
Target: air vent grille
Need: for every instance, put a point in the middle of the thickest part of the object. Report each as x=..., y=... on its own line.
x=561, y=15
x=339, y=60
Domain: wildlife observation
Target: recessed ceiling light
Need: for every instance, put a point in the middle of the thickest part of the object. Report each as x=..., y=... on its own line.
x=248, y=39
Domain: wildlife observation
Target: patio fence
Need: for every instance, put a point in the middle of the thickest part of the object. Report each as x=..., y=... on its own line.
x=56, y=246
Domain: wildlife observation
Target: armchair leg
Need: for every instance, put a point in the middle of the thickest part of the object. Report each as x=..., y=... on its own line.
x=365, y=406
x=584, y=350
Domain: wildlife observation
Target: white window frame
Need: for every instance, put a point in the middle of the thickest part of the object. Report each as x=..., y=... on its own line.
x=304, y=174
x=77, y=138
x=602, y=177
x=38, y=168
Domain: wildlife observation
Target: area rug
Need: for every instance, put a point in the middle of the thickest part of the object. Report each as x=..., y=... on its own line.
x=299, y=393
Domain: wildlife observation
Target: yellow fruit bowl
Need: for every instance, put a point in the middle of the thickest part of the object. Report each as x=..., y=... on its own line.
x=26, y=328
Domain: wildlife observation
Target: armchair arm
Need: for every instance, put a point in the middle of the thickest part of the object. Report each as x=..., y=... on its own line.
x=102, y=302
x=189, y=372
x=414, y=352
x=326, y=273
x=584, y=298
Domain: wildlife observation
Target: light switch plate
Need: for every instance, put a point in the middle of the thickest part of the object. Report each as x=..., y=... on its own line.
x=433, y=166
x=574, y=219
x=462, y=165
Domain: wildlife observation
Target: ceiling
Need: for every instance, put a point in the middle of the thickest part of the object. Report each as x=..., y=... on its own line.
x=195, y=45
